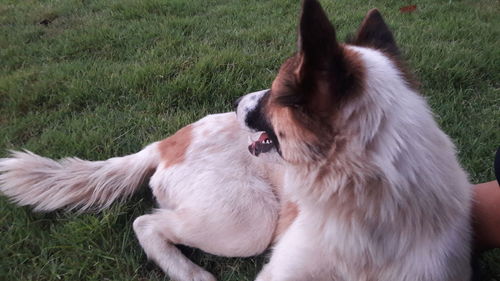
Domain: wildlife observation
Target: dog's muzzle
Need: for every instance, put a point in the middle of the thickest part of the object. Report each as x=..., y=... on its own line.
x=249, y=110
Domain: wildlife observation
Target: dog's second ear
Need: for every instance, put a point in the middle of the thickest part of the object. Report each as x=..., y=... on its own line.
x=374, y=32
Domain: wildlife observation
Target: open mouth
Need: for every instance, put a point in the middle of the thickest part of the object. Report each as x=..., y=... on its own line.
x=260, y=143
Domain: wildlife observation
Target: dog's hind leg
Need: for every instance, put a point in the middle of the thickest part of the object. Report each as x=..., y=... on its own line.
x=157, y=234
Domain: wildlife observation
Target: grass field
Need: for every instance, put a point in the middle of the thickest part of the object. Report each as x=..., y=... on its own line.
x=102, y=78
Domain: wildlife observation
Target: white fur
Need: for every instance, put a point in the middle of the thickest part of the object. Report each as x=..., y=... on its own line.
x=73, y=183
x=248, y=102
x=415, y=229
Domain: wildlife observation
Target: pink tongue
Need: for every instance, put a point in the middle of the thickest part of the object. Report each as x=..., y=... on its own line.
x=261, y=145
x=263, y=137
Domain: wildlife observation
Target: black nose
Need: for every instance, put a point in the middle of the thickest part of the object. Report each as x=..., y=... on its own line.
x=236, y=102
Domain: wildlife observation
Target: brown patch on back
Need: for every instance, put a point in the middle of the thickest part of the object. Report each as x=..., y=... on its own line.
x=173, y=149
x=288, y=213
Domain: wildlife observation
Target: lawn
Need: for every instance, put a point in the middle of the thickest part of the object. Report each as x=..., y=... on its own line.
x=102, y=78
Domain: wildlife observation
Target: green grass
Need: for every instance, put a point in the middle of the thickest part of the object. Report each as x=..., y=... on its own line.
x=105, y=78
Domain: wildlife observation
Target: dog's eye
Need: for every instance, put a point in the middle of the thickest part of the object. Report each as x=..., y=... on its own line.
x=289, y=101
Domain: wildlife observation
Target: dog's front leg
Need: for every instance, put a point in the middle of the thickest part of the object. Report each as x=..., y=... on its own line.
x=157, y=234
x=295, y=258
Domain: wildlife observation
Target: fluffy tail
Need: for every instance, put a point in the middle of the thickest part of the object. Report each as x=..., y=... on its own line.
x=72, y=183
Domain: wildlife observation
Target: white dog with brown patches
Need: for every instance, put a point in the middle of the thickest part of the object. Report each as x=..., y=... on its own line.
x=368, y=186
x=379, y=190
x=212, y=193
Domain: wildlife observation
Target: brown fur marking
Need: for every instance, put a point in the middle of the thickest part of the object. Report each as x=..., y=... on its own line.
x=307, y=114
x=173, y=149
x=288, y=213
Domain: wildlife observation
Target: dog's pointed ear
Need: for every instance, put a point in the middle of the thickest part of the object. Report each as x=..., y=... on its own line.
x=317, y=41
x=323, y=72
x=374, y=32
